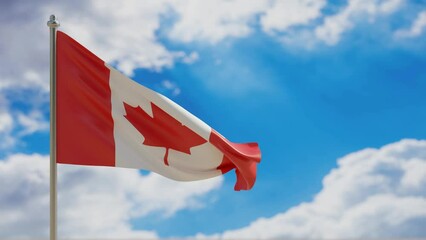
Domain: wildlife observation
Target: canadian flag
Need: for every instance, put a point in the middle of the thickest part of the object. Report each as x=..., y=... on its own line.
x=106, y=119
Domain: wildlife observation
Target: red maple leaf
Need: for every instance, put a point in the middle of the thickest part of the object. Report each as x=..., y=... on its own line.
x=162, y=130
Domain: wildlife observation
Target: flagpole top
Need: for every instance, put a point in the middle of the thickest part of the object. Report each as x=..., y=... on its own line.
x=53, y=23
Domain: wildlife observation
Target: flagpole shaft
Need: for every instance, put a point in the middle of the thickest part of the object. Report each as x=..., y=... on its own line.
x=53, y=24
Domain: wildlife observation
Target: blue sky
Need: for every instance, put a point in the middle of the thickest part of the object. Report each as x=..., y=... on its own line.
x=311, y=81
x=305, y=110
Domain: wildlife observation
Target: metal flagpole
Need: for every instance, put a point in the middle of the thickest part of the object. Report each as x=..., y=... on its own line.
x=53, y=24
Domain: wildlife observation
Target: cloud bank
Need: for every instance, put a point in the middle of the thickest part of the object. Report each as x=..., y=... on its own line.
x=127, y=34
x=93, y=202
x=373, y=193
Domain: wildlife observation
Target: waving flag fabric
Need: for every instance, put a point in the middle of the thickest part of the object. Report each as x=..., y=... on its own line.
x=107, y=119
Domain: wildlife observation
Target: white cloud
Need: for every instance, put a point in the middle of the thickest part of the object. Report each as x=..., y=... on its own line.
x=416, y=28
x=6, y=125
x=24, y=53
x=372, y=193
x=119, y=32
x=15, y=125
x=122, y=32
x=285, y=14
x=94, y=202
x=335, y=25
x=389, y=6
x=191, y=58
x=6, y=121
x=171, y=86
x=31, y=123
x=215, y=20
x=125, y=33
